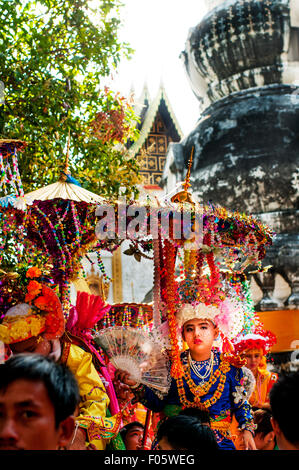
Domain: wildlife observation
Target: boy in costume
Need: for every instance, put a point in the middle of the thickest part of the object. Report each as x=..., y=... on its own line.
x=253, y=347
x=207, y=379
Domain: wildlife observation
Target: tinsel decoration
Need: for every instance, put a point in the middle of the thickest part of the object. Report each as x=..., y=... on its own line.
x=156, y=287
x=9, y=171
x=250, y=320
x=177, y=370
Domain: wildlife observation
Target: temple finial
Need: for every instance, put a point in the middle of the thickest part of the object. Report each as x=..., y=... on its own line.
x=184, y=196
x=187, y=184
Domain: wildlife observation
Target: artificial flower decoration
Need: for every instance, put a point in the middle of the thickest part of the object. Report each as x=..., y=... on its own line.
x=259, y=338
x=37, y=310
x=21, y=203
x=33, y=272
x=21, y=323
x=33, y=289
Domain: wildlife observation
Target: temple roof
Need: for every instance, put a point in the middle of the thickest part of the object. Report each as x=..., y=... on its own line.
x=147, y=111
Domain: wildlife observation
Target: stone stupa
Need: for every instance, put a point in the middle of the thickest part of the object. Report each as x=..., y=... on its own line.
x=242, y=61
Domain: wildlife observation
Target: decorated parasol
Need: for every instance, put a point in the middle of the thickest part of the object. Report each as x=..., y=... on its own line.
x=195, y=236
x=198, y=240
x=10, y=180
x=11, y=232
x=59, y=219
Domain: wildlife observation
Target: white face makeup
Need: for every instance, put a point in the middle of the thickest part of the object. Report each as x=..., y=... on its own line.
x=199, y=328
x=199, y=335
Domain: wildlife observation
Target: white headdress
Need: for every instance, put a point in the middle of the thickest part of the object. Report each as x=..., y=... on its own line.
x=228, y=316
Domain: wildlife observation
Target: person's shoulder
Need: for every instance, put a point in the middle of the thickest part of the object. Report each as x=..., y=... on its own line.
x=184, y=356
x=274, y=376
x=77, y=353
x=235, y=362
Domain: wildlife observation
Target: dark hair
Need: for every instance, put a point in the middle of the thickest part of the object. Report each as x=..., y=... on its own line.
x=262, y=418
x=59, y=381
x=188, y=433
x=202, y=415
x=285, y=406
x=127, y=427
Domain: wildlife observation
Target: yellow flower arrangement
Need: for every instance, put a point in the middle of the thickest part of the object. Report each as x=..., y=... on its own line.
x=35, y=309
x=19, y=329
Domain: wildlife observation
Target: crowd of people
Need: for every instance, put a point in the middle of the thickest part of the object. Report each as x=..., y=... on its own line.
x=48, y=403
x=57, y=390
x=39, y=402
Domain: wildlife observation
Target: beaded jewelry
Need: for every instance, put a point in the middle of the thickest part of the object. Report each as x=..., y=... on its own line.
x=196, y=369
x=199, y=390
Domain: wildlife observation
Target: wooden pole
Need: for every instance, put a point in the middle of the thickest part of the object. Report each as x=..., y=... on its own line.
x=146, y=427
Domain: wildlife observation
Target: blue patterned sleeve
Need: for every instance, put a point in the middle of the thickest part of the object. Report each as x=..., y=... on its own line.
x=239, y=400
x=153, y=400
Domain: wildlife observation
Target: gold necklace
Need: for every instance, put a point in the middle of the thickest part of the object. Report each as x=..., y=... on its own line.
x=198, y=391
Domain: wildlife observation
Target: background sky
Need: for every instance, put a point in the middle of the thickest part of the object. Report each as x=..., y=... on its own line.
x=157, y=30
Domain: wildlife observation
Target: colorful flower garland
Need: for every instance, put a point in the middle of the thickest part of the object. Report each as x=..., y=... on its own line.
x=177, y=370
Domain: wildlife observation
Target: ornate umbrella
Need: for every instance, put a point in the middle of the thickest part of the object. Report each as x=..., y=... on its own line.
x=9, y=170
x=237, y=240
x=60, y=219
x=228, y=241
x=11, y=232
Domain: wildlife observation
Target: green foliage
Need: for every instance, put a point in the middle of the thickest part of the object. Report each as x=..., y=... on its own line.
x=54, y=56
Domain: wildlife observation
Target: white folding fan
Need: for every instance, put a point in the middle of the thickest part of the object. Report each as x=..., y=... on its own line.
x=137, y=353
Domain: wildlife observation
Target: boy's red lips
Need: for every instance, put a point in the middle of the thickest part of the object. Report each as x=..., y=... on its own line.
x=197, y=341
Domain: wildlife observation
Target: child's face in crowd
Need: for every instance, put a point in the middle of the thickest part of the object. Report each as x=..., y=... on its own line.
x=253, y=359
x=133, y=439
x=199, y=335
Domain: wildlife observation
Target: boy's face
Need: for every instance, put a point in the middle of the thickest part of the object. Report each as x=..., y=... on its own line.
x=27, y=418
x=199, y=335
x=253, y=359
x=133, y=439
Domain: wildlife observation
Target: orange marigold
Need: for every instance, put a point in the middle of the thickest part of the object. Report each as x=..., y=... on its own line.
x=33, y=272
x=44, y=302
x=33, y=290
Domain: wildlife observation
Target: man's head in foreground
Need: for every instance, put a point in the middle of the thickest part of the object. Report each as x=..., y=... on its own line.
x=38, y=399
x=185, y=432
x=285, y=410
